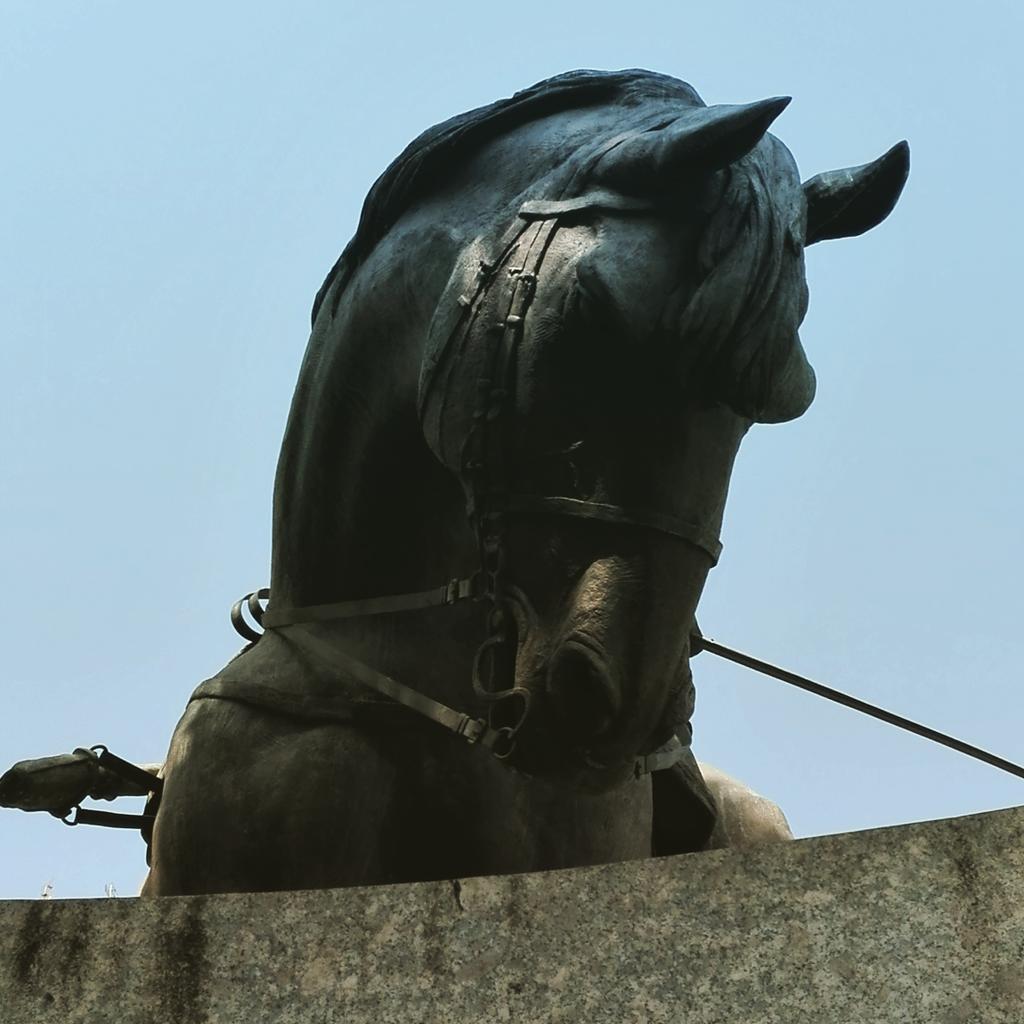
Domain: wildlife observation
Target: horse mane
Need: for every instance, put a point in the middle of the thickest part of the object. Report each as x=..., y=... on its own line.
x=422, y=165
x=742, y=320
x=744, y=315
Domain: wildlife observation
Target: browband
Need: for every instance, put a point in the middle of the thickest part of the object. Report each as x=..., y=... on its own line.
x=599, y=199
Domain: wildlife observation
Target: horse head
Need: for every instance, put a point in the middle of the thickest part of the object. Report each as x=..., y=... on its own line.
x=529, y=374
x=594, y=421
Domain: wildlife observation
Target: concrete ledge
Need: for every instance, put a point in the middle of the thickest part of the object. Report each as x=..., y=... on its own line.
x=921, y=923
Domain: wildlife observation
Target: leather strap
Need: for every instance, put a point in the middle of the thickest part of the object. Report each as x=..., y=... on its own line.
x=109, y=819
x=451, y=593
x=460, y=304
x=127, y=771
x=253, y=603
x=473, y=730
x=599, y=199
x=619, y=516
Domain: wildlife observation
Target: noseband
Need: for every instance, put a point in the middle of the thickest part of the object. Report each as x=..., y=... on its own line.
x=493, y=316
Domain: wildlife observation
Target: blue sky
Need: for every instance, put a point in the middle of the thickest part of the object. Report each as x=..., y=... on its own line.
x=175, y=184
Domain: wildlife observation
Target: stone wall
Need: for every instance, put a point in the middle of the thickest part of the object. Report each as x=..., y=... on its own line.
x=921, y=923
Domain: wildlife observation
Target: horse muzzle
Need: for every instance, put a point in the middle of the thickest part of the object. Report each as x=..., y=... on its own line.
x=581, y=688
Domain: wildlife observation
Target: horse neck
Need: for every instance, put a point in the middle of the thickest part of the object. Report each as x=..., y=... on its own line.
x=363, y=509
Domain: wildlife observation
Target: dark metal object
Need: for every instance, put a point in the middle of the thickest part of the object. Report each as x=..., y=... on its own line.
x=253, y=603
x=134, y=776
x=108, y=819
x=485, y=450
x=803, y=683
x=59, y=784
x=131, y=773
x=53, y=784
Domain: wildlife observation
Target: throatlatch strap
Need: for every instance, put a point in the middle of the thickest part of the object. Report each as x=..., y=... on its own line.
x=450, y=593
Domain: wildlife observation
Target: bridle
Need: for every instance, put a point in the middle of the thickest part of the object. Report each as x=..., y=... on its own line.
x=490, y=313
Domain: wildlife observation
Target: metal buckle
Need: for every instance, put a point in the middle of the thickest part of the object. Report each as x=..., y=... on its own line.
x=459, y=590
x=504, y=743
x=471, y=729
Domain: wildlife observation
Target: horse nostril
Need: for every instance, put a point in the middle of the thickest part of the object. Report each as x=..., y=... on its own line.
x=581, y=691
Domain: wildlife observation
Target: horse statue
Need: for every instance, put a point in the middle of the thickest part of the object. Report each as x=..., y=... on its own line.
x=500, y=493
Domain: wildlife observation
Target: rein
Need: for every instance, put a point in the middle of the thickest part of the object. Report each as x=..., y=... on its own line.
x=700, y=643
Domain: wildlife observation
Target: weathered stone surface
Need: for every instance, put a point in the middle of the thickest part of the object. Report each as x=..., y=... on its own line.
x=921, y=923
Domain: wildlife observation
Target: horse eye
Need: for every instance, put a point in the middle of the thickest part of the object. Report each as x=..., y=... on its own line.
x=592, y=300
x=580, y=305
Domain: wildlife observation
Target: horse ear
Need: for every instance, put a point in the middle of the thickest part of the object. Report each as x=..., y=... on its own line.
x=702, y=139
x=841, y=204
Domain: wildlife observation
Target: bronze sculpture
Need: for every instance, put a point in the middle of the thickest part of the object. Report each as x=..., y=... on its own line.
x=529, y=374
